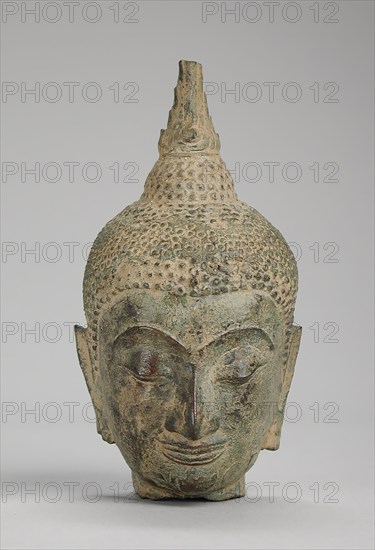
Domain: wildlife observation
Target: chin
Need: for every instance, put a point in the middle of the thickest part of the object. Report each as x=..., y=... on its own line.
x=194, y=482
x=190, y=479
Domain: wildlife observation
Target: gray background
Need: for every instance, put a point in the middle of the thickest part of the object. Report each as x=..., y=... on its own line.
x=333, y=378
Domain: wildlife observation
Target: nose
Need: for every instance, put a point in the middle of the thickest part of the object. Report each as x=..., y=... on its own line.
x=194, y=415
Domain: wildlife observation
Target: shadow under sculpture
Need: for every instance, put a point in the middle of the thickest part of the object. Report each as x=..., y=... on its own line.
x=189, y=297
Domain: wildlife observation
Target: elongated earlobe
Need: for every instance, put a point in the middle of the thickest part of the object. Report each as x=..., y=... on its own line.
x=272, y=440
x=88, y=372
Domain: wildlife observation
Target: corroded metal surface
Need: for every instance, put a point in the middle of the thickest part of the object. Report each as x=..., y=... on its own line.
x=189, y=296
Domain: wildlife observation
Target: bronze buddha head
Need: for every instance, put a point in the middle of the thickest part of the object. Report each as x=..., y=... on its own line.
x=189, y=296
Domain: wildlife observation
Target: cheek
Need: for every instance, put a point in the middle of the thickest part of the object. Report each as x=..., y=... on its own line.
x=141, y=407
x=249, y=407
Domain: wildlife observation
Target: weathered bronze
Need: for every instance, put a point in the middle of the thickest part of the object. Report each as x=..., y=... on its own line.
x=189, y=297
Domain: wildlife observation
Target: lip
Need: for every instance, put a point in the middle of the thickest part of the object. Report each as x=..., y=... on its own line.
x=192, y=454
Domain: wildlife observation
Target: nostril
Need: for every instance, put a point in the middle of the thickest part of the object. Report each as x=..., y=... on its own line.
x=191, y=426
x=204, y=426
x=170, y=423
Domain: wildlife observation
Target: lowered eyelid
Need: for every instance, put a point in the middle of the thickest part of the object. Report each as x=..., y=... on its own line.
x=241, y=378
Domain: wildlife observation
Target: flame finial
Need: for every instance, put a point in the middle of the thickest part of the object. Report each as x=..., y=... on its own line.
x=190, y=127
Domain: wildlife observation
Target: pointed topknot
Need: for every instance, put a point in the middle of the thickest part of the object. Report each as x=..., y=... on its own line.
x=190, y=127
x=190, y=168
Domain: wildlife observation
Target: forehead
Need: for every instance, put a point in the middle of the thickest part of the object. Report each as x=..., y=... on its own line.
x=192, y=321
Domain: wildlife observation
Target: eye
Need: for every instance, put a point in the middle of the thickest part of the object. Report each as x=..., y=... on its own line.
x=239, y=365
x=144, y=365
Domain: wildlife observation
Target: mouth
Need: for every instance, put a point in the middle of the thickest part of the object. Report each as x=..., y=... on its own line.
x=192, y=454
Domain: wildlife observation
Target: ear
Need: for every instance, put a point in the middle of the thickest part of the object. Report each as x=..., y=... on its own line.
x=88, y=372
x=272, y=440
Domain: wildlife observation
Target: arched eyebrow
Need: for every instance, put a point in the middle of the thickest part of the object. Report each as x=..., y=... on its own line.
x=172, y=340
x=156, y=331
x=240, y=332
